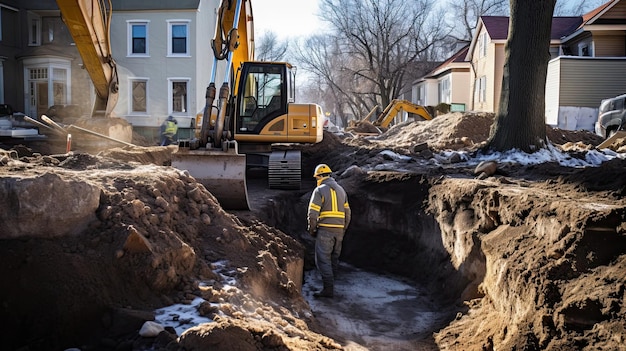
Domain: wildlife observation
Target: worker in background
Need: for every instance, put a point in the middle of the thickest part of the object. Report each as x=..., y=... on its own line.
x=329, y=216
x=169, y=128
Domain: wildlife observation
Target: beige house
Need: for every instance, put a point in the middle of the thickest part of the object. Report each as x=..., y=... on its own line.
x=588, y=55
x=446, y=83
x=486, y=56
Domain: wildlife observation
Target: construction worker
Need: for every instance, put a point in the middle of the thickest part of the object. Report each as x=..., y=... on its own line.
x=169, y=128
x=329, y=216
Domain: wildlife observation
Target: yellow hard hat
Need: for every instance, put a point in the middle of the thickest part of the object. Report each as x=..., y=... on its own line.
x=322, y=170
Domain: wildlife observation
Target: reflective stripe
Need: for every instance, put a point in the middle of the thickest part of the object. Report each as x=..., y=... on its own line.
x=330, y=225
x=315, y=207
x=331, y=214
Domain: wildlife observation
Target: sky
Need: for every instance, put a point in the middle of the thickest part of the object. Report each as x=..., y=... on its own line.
x=286, y=18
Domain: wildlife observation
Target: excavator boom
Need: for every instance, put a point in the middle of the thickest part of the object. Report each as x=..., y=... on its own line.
x=253, y=109
x=88, y=22
x=390, y=112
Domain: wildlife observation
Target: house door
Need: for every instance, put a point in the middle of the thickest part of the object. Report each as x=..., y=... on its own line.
x=41, y=93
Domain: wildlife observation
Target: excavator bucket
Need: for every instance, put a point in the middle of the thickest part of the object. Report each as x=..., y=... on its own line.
x=223, y=173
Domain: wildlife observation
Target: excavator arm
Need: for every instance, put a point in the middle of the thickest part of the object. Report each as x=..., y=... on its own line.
x=233, y=42
x=390, y=112
x=88, y=22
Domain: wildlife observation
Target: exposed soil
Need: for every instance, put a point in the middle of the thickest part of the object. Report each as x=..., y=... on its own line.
x=528, y=257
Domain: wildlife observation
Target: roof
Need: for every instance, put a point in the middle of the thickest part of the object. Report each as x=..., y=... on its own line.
x=459, y=56
x=136, y=5
x=591, y=15
x=498, y=26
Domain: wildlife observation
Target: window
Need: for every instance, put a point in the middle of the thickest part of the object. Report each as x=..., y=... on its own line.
x=178, y=34
x=584, y=50
x=482, y=45
x=481, y=89
x=421, y=95
x=178, y=103
x=34, y=30
x=9, y=19
x=59, y=86
x=444, y=90
x=139, y=95
x=138, y=38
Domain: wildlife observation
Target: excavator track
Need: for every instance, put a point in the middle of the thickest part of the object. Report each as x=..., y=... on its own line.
x=285, y=169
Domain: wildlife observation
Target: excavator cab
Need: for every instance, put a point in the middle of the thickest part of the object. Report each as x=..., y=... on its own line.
x=264, y=91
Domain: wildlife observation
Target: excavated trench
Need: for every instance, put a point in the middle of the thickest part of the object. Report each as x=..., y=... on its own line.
x=391, y=231
x=394, y=232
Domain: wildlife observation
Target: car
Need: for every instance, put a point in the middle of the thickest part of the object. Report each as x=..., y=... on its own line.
x=611, y=116
x=6, y=111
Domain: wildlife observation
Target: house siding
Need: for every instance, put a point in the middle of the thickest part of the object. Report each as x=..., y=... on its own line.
x=616, y=12
x=460, y=79
x=609, y=45
x=553, y=83
x=582, y=84
x=158, y=68
x=586, y=81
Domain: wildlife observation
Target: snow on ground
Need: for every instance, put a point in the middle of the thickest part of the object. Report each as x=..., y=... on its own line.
x=583, y=158
x=374, y=311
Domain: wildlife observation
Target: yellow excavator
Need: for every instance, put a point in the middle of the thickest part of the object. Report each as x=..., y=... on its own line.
x=254, y=110
x=395, y=106
x=364, y=126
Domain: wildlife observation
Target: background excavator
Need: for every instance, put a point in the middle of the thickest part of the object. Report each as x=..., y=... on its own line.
x=254, y=110
x=388, y=115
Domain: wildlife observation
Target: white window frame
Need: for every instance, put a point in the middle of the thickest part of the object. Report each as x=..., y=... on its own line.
x=481, y=89
x=34, y=39
x=170, y=24
x=170, y=92
x=131, y=109
x=48, y=64
x=444, y=88
x=582, y=47
x=482, y=45
x=129, y=47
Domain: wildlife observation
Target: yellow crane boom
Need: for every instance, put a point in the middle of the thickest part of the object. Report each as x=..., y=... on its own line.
x=88, y=22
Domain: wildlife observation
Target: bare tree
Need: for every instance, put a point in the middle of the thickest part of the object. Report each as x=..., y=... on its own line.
x=320, y=55
x=520, y=121
x=467, y=12
x=376, y=42
x=269, y=48
x=575, y=8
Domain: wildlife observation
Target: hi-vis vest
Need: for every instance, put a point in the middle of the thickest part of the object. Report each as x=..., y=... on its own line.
x=329, y=206
x=170, y=128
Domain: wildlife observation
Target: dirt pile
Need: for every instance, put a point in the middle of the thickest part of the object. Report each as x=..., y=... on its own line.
x=86, y=238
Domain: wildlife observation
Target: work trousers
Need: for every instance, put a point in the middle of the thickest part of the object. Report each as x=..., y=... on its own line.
x=327, y=250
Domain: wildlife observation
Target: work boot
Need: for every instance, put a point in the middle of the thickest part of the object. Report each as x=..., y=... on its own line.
x=326, y=292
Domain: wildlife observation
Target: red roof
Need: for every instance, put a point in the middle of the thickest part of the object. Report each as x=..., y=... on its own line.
x=591, y=14
x=498, y=26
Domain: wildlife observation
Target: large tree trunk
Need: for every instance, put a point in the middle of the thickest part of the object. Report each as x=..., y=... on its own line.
x=520, y=122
